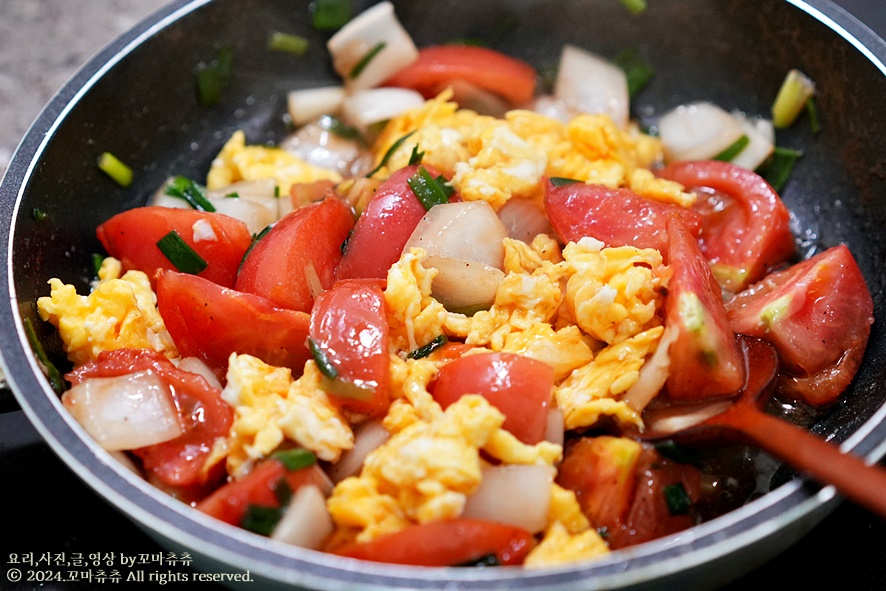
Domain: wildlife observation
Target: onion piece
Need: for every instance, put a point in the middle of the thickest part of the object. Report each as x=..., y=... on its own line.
x=524, y=219
x=197, y=366
x=364, y=108
x=463, y=286
x=555, y=430
x=761, y=141
x=653, y=374
x=697, y=131
x=470, y=96
x=354, y=41
x=517, y=495
x=306, y=522
x=125, y=412
x=255, y=215
x=367, y=437
x=465, y=230
x=317, y=144
x=307, y=104
x=677, y=417
x=592, y=84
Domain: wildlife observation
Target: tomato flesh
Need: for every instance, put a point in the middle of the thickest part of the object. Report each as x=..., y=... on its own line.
x=745, y=228
x=706, y=359
x=616, y=217
x=818, y=315
x=210, y=322
x=132, y=236
x=349, y=325
x=445, y=543
x=439, y=65
x=516, y=385
x=203, y=413
x=303, y=246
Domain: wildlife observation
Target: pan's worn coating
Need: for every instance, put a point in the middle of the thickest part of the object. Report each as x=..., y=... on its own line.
x=137, y=100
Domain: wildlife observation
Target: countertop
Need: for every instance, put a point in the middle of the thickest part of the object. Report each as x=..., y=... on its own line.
x=42, y=43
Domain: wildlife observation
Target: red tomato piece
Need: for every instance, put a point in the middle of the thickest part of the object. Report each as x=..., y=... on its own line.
x=818, y=315
x=439, y=65
x=230, y=502
x=616, y=217
x=445, y=543
x=349, y=326
x=202, y=411
x=516, y=385
x=745, y=226
x=706, y=359
x=210, y=322
x=278, y=266
x=383, y=228
x=132, y=236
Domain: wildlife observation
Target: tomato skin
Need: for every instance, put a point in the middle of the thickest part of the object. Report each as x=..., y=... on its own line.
x=230, y=502
x=445, y=543
x=706, y=359
x=516, y=385
x=349, y=324
x=616, y=217
x=745, y=228
x=438, y=65
x=276, y=266
x=132, y=236
x=383, y=228
x=203, y=414
x=208, y=321
x=818, y=315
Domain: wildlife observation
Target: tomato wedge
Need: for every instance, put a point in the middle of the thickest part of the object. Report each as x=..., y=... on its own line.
x=349, y=330
x=745, y=226
x=818, y=315
x=516, y=385
x=203, y=413
x=301, y=248
x=445, y=543
x=261, y=487
x=210, y=322
x=616, y=217
x=438, y=66
x=383, y=228
x=706, y=359
x=220, y=240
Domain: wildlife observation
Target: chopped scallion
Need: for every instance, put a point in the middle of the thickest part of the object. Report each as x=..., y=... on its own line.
x=636, y=69
x=677, y=499
x=52, y=373
x=327, y=15
x=38, y=215
x=559, y=181
x=180, y=254
x=734, y=150
x=347, y=389
x=114, y=168
x=426, y=350
x=778, y=167
x=812, y=110
x=324, y=364
x=338, y=127
x=429, y=190
x=252, y=244
x=214, y=76
x=295, y=458
x=364, y=61
x=97, y=260
x=294, y=44
x=672, y=451
x=416, y=157
x=389, y=153
x=635, y=7
x=796, y=89
x=185, y=188
x=260, y=519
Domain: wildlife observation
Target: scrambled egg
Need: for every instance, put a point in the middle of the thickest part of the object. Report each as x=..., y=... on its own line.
x=239, y=162
x=119, y=313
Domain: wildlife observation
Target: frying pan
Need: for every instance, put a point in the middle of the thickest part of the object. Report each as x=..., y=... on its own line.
x=136, y=99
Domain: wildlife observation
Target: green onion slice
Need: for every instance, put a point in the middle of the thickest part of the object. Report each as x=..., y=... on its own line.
x=778, y=167
x=636, y=69
x=364, y=61
x=429, y=190
x=324, y=364
x=214, y=76
x=295, y=458
x=733, y=150
x=672, y=451
x=260, y=519
x=180, y=254
x=416, y=157
x=338, y=127
x=114, y=168
x=294, y=44
x=390, y=152
x=38, y=215
x=347, y=389
x=560, y=181
x=426, y=350
x=185, y=188
x=635, y=7
x=812, y=110
x=52, y=373
x=327, y=15
x=791, y=99
x=677, y=499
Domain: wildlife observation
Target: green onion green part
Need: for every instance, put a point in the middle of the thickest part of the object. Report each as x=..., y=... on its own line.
x=260, y=519
x=294, y=44
x=426, y=350
x=328, y=15
x=677, y=499
x=214, y=76
x=636, y=69
x=38, y=215
x=812, y=111
x=796, y=89
x=429, y=190
x=635, y=7
x=114, y=168
x=338, y=127
x=180, y=254
x=252, y=244
x=184, y=188
x=52, y=373
x=295, y=458
x=364, y=61
x=324, y=364
x=778, y=167
x=560, y=181
x=672, y=451
x=97, y=260
x=389, y=153
x=733, y=150
x=416, y=157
